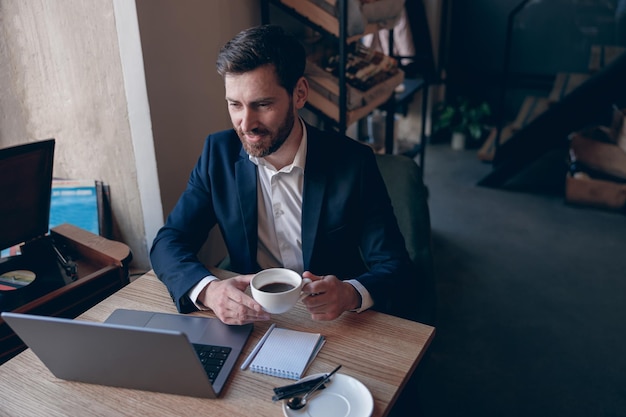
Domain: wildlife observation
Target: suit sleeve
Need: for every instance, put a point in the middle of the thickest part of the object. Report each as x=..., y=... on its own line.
x=175, y=247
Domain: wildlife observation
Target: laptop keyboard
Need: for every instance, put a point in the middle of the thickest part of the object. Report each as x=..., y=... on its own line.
x=212, y=358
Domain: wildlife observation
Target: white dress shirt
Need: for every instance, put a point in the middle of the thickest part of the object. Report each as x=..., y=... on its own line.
x=279, y=205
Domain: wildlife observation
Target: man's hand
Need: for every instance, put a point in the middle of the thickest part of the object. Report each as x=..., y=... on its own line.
x=329, y=296
x=229, y=302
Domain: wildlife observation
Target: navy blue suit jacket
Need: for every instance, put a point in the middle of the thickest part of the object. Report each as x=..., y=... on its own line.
x=348, y=226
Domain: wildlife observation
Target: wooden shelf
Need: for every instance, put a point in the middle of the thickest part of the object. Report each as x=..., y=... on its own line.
x=324, y=95
x=320, y=17
x=331, y=110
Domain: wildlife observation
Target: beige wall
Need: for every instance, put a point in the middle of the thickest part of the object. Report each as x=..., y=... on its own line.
x=60, y=77
x=180, y=42
x=73, y=70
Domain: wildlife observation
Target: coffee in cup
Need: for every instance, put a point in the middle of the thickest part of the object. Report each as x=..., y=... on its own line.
x=277, y=289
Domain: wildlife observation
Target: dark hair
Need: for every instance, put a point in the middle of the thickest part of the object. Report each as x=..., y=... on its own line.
x=264, y=45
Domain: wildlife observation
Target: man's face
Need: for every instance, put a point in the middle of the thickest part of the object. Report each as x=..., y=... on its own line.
x=261, y=111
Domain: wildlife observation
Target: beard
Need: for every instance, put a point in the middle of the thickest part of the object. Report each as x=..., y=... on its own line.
x=272, y=140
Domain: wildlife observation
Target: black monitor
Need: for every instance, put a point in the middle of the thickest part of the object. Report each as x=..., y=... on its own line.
x=25, y=188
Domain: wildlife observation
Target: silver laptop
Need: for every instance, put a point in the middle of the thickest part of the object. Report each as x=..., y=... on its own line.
x=137, y=349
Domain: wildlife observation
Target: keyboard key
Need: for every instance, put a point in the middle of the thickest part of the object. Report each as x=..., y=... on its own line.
x=212, y=358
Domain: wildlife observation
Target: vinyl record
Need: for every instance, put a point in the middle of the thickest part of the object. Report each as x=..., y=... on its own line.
x=16, y=279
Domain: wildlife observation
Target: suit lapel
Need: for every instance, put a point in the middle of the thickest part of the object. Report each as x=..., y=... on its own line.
x=313, y=193
x=245, y=172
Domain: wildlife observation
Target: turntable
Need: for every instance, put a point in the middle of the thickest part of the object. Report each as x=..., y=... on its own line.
x=61, y=273
x=25, y=186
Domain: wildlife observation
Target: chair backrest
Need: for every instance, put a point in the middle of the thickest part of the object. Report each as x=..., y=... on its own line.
x=409, y=196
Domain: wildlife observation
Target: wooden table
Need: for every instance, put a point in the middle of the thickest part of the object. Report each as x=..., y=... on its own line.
x=379, y=350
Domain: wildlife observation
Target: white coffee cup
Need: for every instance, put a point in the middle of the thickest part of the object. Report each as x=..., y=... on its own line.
x=277, y=289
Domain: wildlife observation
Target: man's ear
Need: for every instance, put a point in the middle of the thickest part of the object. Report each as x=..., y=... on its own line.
x=301, y=93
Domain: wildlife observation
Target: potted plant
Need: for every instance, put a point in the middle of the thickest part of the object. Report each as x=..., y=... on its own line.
x=461, y=119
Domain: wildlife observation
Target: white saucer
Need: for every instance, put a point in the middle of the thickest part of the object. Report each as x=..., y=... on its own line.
x=343, y=396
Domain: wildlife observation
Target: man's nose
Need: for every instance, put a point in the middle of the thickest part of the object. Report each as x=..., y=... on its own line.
x=248, y=120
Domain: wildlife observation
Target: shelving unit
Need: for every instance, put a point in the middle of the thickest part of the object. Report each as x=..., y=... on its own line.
x=336, y=109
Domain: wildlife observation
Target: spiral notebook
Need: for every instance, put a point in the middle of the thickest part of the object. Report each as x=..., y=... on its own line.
x=287, y=353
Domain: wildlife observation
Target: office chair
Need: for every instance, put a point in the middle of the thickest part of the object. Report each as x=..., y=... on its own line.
x=403, y=179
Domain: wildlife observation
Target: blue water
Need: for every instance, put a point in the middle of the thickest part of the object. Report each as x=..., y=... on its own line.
x=76, y=206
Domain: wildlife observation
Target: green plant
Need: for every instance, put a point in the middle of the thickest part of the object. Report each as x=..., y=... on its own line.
x=461, y=116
